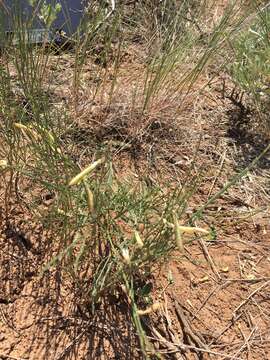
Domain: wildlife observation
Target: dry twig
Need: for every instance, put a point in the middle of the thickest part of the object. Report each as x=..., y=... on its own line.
x=249, y=297
x=246, y=343
x=208, y=257
x=192, y=338
x=72, y=343
x=4, y=357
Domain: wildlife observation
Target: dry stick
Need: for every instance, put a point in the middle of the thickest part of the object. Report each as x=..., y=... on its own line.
x=263, y=311
x=252, y=245
x=217, y=288
x=166, y=312
x=183, y=347
x=208, y=257
x=72, y=343
x=231, y=323
x=240, y=265
x=245, y=343
x=145, y=322
x=252, y=281
x=5, y=320
x=218, y=173
x=249, y=297
x=211, y=352
x=245, y=340
x=187, y=329
x=195, y=317
x=3, y=356
x=171, y=346
x=236, y=317
x=173, y=337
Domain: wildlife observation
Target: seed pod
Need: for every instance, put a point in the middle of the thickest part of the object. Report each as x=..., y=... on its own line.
x=51, y=141
x=167, y=223
x=150, y=309
x=62, y=212
x=51, y=138
x=178, y=235
x=187, y=229
x=124, y=289
x=20, y=126
x=89, y=197
x=26, y=130
x=125, y=255
x=78, y=178
x=138, y=239
x=3, y=163
x=193, y=230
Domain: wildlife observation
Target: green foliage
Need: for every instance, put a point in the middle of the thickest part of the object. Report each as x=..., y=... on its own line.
x=251, y=66
x=47, y=12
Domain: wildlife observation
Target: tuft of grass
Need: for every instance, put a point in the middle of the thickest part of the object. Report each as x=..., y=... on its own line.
x=250, y=69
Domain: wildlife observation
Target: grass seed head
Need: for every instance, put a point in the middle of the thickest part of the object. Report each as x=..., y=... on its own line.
x=138, y=239
x=79, y=177
x=3, y=164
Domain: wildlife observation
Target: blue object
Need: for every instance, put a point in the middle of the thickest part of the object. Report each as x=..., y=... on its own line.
x=67, y=20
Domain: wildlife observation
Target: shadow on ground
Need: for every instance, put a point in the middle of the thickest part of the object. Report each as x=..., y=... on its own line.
x=41, y=316
x=248, y=134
